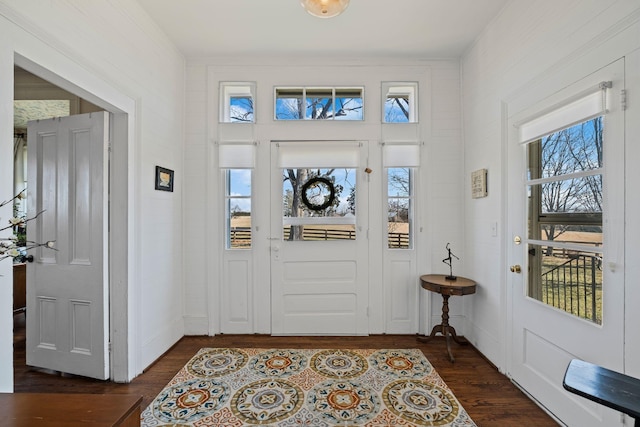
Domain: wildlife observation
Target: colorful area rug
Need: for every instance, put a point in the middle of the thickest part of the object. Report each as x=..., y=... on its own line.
x=276, y=387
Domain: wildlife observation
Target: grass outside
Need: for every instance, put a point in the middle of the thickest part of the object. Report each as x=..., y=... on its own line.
x=573, y=284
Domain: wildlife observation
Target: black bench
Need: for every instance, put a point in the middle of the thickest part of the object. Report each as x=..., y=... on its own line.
x=609, y=388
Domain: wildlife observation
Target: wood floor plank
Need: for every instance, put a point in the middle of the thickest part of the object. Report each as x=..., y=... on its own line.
x=488, y=396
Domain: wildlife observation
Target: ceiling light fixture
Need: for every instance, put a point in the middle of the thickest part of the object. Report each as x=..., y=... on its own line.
x=325, y=8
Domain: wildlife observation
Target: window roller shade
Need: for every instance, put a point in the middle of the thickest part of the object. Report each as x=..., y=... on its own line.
x=400, y=155
x=583, y=108
x=296, y=155
x=236, y=155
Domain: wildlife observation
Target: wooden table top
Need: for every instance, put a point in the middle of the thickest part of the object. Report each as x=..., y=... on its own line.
x=49, y=409
x=440, y=284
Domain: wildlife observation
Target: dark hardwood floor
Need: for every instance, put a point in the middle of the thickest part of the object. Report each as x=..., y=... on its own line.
x=488, y=396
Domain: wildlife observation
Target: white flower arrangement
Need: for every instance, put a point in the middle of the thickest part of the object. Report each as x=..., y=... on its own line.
x=10, y=247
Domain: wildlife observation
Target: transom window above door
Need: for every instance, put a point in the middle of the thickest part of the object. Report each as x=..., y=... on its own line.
x=400, y=102
x=318, y=103
x=237, y=102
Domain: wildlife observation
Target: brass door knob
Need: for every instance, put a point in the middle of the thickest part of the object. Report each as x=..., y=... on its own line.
x=516, y=268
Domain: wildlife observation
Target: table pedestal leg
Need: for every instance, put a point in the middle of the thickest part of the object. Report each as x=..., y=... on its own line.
x=445, y=329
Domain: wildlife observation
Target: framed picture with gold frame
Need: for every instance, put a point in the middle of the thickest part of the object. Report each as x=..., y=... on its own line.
x=164, y=179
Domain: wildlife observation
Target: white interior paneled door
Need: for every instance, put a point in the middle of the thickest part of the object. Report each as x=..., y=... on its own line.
x=67, y=288
x=319, y=244
x=566, y=231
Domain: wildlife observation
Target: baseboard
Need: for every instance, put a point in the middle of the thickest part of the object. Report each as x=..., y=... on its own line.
x=488, y=345
x=158, y=344
x=534, y=400
x=196, y=325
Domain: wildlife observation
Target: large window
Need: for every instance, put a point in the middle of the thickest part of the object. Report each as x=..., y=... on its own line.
x=318, y=103
x=565, y=194
x=565, y=189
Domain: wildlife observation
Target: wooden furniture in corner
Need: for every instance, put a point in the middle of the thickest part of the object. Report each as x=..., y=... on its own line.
x=69, y=409
x=19, y=287
x=446, y=287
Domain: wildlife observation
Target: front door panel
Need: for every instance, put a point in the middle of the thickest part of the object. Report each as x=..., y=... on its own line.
x=566, y=230
x=319, y=247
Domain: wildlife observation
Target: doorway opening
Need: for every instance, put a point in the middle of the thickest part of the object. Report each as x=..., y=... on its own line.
x=38, y=92
x=34, y=99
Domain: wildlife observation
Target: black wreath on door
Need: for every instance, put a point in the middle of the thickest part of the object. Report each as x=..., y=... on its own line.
x=316, y=187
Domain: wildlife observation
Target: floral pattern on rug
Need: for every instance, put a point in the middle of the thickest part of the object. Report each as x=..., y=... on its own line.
x=235, y=387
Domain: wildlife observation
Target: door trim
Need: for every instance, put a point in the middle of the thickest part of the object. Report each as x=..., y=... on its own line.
x=122, y=175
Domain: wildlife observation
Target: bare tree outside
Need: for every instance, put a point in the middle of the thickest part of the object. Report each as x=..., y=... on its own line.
x=399, y=201
x=319, y=104
x=398, y=181
x=566, y=207
x=337, y=104
x=293, y=198
x=569, y=151
x=241, y=109
x=397, y=109
x=296, y=177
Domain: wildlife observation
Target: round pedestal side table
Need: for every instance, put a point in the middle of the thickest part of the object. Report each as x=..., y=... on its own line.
x=446, y=286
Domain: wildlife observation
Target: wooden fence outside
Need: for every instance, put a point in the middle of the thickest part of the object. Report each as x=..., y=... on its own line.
x=240, y=237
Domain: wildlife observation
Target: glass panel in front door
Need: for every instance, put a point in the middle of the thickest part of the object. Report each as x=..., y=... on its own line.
x=565, y=195
x=319, y=204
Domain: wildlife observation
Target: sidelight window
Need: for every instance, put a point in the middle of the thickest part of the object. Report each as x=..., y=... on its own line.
x=400, y=207
x=236, y=161
x=400, y=160
x=238, y=208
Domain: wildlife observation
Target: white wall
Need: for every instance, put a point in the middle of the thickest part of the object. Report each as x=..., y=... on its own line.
x=518, y=51
x=197, y=187
x=113, y=50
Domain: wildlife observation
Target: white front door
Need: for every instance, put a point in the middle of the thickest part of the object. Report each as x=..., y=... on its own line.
x=67, y=288
x=319, y=242
x=566, y=231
